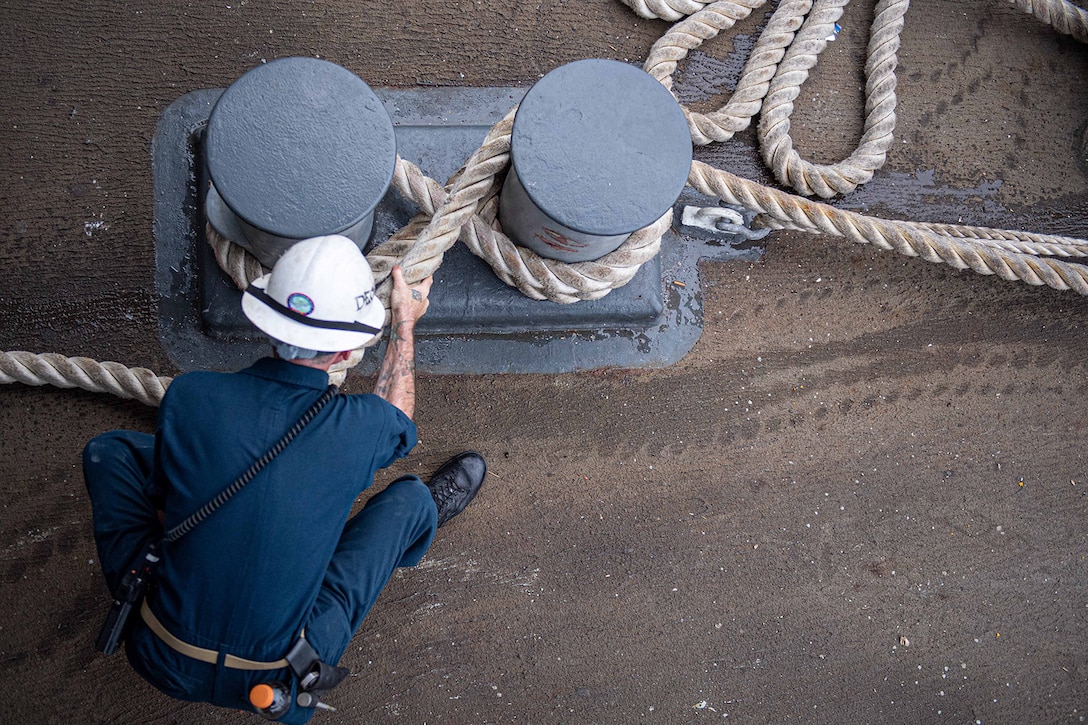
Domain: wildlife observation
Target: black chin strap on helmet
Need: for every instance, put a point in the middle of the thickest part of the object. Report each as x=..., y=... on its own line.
x=286, y=311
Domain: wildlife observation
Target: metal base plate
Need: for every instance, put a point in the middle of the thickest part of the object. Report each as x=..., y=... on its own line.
x=476, y=323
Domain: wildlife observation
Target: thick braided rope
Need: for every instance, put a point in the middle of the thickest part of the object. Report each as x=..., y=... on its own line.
x=772, y=79
x=469, y=212
x=478, y=184
x=1008, y=254
x=429, y=196
x=746, y=100
x=472, y=184
x=241, y=266
x=540, y=278
x=787, y=211
x=1064, y=16
x=80, y=372
x=999, y=239
x=827, y=180
x=665, y=9
x=1014, y=241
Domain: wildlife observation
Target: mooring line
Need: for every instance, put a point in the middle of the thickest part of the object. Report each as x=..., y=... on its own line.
x=466, y=206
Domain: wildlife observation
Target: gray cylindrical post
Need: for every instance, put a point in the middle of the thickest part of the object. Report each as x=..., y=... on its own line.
x=598, y=150
x=297, y=148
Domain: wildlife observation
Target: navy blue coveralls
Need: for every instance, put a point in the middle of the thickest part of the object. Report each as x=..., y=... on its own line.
x=278, y=558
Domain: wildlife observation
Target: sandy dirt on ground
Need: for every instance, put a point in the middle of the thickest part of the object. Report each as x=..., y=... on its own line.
x=861, y=497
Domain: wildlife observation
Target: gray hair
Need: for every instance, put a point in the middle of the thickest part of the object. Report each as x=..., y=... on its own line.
x=293, y=352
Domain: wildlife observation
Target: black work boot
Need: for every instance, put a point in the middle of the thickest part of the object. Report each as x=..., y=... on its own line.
x=456, y=482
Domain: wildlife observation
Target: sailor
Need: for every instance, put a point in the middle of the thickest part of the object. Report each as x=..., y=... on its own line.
x=264, y=594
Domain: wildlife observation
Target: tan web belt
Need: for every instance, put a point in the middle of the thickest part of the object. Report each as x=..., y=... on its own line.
x=200, y=653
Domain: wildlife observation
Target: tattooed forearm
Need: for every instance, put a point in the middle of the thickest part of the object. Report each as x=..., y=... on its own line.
x=395, y=336
x=396, y=378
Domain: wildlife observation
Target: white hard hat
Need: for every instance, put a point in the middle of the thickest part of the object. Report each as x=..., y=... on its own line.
x=320, y=296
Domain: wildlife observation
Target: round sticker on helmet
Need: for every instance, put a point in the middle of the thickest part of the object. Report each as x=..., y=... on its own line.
x=300, y=303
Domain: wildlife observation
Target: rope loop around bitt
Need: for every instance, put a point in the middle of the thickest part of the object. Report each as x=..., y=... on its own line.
x=466, y=206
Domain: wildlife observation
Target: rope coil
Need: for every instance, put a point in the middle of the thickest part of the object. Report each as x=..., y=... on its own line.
x=465, y=208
